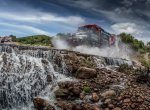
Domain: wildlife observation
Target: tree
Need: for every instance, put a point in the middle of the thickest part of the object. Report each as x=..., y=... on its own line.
x=134, y=43
x=148, y=43
x=36, y=40
x=13, y=38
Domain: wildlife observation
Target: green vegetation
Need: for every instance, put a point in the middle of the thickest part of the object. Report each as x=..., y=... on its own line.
x=35, y=40
x=13, y=38
x=145, y=62
x=139, y=47
x=87, y=89
x=87, y=62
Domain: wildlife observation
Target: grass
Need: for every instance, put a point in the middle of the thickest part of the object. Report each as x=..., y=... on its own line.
x=86, y=89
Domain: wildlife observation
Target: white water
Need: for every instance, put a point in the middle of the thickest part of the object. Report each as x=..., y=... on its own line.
x=24, y=73
x=23, y=77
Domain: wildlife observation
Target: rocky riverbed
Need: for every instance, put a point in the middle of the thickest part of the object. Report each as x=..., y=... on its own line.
x=118, y=88
x=56, y=79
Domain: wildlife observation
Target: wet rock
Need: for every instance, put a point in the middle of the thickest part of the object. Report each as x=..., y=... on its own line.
x=95, y=97
x=107, y=101
x=76, y=91
x=68, y=105
x=66, y=84
x=109, y=93
x=86, y=73
x=96, y=108
x=44, y=61
x=140, y=99
x=117, y=108
x=4, y=58
x=82, y=95
x=126, y=100
x=62, y=93
x=111, y=106
x=76, y=107
x=41, y=104
x=49, y=78
x=86, y=106
x=64, y=105
x=133, y=106
x=125, y=68
x=58, y=60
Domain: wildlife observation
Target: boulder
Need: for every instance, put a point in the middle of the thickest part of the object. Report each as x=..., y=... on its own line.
x=109, y=93
x=117, y=108
x=95, y=97
x=68, y=105
x=41, y=104
x=96, y=108
x=58, y=60
x=49, y=78
x=76, y=91
x=82, y=95
x=76, y=107
x=126, y=100
x=86, y=73
x=65, y=84
x=61, y=93
x=44, y=61
x=64, y=105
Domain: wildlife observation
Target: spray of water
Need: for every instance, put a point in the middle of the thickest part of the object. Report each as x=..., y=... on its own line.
x=119, y=50
x=25, y=75
x=60, y=44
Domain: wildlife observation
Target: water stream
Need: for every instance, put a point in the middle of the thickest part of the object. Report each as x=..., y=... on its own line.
x=27, y=72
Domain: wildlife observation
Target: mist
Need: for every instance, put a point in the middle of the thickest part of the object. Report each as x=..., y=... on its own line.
x=60, y=44
x=115, y=51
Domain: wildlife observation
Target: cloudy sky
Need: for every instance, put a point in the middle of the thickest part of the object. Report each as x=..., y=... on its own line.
x=29, y=17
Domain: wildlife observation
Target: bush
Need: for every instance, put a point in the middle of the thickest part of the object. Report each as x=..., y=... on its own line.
x=134, y=43
x=36, y=40
x=87, y=89
x=13, y=38
x=142, y=51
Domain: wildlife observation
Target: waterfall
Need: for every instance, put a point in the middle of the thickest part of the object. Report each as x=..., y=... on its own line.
x=108, y=61
x=25, y=74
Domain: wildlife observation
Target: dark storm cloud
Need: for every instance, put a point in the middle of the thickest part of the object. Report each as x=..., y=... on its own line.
x=122, y=10
x=134, y=13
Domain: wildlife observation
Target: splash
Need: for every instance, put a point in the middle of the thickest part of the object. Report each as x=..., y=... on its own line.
x=119, y=50
x=26, y=74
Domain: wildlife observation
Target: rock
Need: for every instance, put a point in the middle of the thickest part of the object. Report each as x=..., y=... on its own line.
x=58, y=60
x=64, y=105
x=68, y=106
x=117, y=108
x=76, y=91
x=140, y=99
x=66, y=84
x=126, y=100
x=111, y=106
x=125, y=68
x=44, y=61
x=49, y=78
x=133, y=106
x=41, y=104
x=107, y=101
x=82, y=95
x=76, y=107
x=4, y=58
x=86, y=73
x=62, y=93
x=96, y=108
x=86, y=106
x=109, y=93
x=95, y=97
